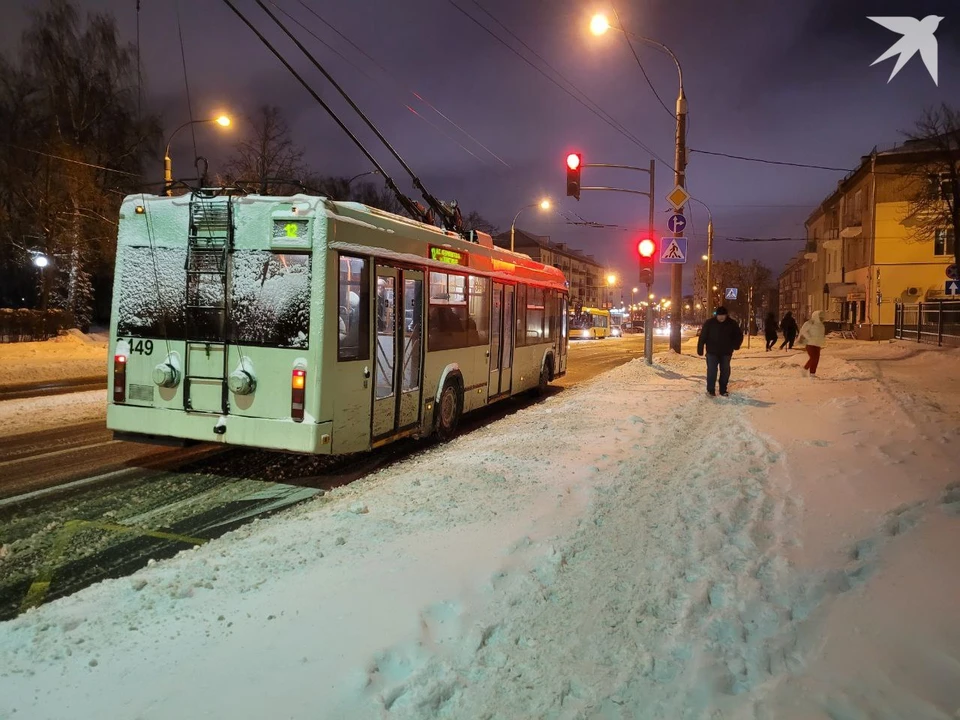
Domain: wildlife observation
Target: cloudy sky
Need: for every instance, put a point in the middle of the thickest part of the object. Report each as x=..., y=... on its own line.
x=785, y=80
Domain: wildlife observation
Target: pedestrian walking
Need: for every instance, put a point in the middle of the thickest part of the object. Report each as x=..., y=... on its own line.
x=788, y=326
x=721, y=337
x=770, y=330
x=814, y=334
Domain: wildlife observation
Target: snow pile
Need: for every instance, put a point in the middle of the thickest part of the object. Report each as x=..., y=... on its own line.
x=53, y=411
x=62, y=358
x=628, y=548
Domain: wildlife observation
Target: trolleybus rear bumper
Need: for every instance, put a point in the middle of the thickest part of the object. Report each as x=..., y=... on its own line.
x=160, y=426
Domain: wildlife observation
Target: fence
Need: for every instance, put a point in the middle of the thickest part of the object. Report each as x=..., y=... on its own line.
x=936, y=323
x=24, y=325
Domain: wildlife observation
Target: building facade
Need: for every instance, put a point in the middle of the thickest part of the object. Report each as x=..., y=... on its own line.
x=866, y=251
x=586, y=276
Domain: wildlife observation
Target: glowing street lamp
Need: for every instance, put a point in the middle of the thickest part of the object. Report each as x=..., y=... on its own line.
x=544, y=205
x=599, y=24
x=221, y=120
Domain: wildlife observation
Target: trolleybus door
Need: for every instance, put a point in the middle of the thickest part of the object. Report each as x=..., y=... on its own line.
x=506, y=339
x=398, y=350
x=564, y=332
x=496, y=332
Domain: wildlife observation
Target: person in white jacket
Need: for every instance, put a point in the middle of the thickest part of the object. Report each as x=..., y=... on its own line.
x=814, y=334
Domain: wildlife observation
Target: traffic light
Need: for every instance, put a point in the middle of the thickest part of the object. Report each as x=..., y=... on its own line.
x=648, y=251
x=573, y=175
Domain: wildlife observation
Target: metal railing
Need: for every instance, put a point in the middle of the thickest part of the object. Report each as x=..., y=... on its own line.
x=936, y=322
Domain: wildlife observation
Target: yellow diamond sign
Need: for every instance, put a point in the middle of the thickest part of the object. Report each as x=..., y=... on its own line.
x=678, y=197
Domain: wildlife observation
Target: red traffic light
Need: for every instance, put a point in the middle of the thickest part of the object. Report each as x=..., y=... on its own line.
x=646, y=247
x=573, y=161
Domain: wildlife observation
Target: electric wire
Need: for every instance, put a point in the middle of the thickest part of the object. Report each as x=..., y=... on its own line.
x=446, y=215
x=599, y=112
x=372, y=79
x=407, y=203
x=186, y=82
x=397, y=82
x=670, y=112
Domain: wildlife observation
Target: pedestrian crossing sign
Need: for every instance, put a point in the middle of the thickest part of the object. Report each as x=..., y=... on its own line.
x=673, y=250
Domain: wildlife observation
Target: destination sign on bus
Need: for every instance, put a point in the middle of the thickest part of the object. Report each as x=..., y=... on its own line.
x=446, y=255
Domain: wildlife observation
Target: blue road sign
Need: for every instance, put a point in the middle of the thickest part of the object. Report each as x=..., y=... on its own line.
x=953, y=287
x=730, y=294
x=673, y=250
x=677, y=223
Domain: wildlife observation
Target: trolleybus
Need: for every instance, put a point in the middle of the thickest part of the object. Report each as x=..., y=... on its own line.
x=312, y=326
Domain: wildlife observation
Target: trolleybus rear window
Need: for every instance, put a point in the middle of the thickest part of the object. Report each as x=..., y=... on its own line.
x=270, y=299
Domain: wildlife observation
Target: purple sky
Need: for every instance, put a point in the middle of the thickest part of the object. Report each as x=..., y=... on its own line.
x=781, y=80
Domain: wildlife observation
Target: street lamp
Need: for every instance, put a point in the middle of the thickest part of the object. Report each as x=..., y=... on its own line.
x=221, y=120
x=544, y=204
x=598, y=26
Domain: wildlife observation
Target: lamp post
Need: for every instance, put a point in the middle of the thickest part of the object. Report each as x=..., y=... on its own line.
x=611, y=283
x=221, y=120
x=598, y=26
x=369, y=172
x=543, y=205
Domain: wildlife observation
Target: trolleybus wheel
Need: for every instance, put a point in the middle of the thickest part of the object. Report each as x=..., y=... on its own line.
x=449, y=410
x=541, y=389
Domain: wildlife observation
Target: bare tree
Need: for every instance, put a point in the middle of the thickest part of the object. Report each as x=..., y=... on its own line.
x=476, y=221
x=935, y=183
x=268, y=157
x=734, y=274
x=74, y=146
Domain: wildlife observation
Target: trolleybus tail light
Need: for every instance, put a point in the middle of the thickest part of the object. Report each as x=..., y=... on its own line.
x=120, y=378
x=298, y=385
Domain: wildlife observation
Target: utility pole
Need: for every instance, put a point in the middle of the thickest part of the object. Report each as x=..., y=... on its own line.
x=680, y=178
x=709, y=264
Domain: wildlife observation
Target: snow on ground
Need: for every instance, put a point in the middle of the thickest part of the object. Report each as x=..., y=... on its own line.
x=629, y=548
x=69, y=356
x=41, y=413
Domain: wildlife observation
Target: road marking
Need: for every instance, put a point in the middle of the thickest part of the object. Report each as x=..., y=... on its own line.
x=54, y=453
x=41, y=585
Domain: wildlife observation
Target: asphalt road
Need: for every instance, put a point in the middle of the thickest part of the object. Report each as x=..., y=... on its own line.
x=51, y=387
x=77, y=507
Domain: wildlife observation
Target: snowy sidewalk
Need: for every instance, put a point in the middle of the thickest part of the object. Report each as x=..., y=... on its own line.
x=629, y=548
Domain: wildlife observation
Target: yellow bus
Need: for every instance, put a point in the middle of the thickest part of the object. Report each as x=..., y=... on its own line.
x=589, y=324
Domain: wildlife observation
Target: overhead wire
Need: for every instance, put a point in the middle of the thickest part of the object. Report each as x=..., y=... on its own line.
x=372, y=79
x=599, y=112
x=186, y=82
x=670, y=112
x=390, y=75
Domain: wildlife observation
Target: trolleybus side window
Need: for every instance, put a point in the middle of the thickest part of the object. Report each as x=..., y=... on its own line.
x=270, y=298
x=521, y=315
x=478, y=320
x=535, y=315
x=447, y=319
x=353, y=300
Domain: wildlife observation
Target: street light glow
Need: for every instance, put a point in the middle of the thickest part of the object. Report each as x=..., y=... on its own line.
x=599, y=24
x=611, y=279
x=545, y=204
x=223, y=121
x=704, y=257
x=652, y=296
x=41, y=261
x=636, y=289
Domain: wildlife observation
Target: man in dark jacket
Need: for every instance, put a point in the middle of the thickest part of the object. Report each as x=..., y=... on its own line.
x=722, y=337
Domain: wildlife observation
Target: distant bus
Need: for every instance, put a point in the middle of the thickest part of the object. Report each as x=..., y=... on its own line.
x=589, y=324
x=306, y=325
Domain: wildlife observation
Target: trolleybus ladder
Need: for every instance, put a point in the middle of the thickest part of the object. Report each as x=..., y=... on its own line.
x=206, y=312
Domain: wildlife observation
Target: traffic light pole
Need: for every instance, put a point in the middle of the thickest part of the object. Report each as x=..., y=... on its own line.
x=648, y=318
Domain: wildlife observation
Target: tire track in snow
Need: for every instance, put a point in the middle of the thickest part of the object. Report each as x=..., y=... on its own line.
x=699, y=608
